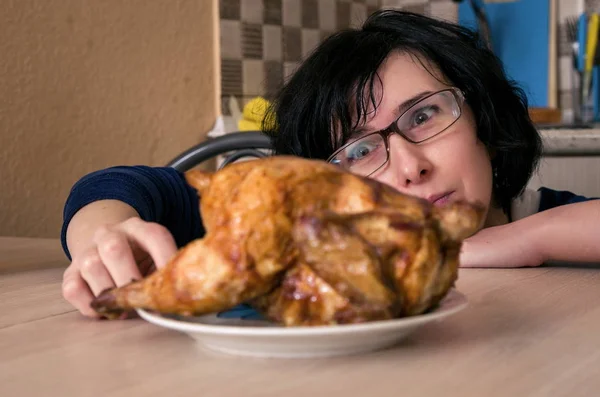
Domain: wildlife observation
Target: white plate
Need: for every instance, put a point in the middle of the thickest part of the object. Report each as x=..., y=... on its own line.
x=266, y=339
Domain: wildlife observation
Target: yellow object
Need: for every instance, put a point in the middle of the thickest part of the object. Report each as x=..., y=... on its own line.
x=246, y=125
x=590, y=53
x=253, y=114
x=256, y=109
x=591, y=42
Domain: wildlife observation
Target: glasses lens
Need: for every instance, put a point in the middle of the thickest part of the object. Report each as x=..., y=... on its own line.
x=362, y=156
x=429, y=117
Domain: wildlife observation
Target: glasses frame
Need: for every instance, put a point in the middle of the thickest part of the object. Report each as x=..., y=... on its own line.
x=459, y=97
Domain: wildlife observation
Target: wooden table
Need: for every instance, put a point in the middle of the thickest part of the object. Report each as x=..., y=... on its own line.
x=526, y=332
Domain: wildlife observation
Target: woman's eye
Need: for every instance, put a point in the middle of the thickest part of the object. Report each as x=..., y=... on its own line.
x=423, y=115
x=361, y=151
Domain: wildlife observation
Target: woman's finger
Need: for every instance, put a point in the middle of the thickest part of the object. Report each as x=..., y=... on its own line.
x=152, y=238
x=116, y=255
x=76, y=292
x=94, y=272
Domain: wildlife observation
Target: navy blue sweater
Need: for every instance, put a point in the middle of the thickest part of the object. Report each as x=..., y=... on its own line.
x=159, y=195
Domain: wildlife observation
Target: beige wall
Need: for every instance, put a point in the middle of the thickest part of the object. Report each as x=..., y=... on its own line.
x=87, y=84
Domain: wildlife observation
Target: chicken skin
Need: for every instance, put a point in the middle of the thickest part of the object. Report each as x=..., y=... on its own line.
x=306, y=243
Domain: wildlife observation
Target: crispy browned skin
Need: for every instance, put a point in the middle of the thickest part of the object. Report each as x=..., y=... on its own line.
x=307, y=244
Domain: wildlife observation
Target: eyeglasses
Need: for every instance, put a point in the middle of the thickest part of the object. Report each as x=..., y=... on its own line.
x=425, y=119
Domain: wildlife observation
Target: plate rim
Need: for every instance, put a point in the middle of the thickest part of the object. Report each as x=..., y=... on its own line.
x=458, y=299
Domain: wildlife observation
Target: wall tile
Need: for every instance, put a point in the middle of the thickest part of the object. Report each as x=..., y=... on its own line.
x=445, y=10
x=272, y=43
x=231, y=77
x=231, y=39
x=272, y=12
x=343, y=15
x=273, y=77
x=292, y=44
x=252, y=40
x=253, y=75
x=229, y=9
x=252, y=11
x=291, y=13
x=288, y=69
x=310, y=14
x=327, y=19
x=310, y=40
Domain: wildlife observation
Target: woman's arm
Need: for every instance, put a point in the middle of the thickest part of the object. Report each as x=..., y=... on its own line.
x=121, y=222
x=157, y=194
x=84, y=224
x=565, y=233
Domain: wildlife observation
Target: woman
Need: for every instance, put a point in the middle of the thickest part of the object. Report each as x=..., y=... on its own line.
x=469, y=137
x=416, y=103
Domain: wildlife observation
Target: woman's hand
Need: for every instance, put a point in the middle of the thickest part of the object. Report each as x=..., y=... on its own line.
x=117, y=255
x=500, y=246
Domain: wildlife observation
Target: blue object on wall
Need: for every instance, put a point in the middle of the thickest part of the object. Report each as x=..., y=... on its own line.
x=520, y=35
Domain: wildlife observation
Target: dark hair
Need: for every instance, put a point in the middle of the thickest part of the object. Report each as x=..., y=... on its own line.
x=314, y=111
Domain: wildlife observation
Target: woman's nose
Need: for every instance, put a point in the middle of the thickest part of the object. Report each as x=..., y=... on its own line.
x=408, y=162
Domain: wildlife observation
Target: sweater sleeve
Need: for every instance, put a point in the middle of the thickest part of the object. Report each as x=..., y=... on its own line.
x=551, y=198
x=158, y=194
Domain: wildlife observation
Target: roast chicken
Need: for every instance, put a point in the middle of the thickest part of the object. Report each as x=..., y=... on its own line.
x=306, y=243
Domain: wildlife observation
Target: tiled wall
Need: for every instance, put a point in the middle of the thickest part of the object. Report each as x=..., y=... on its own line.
x=263, y=41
